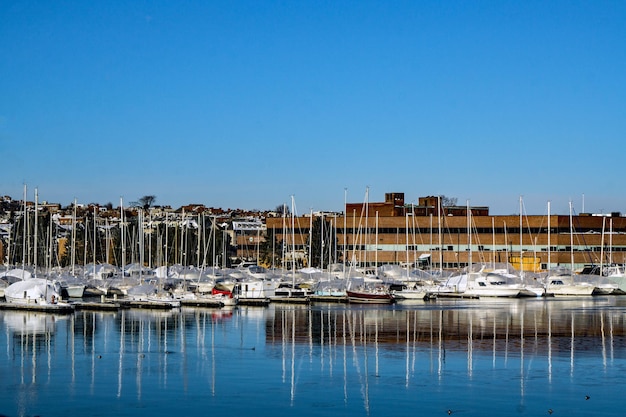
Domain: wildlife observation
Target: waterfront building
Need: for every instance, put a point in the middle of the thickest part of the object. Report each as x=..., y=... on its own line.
x=432, y=235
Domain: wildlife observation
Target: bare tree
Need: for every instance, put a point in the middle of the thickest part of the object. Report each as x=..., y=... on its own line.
x=145, y=202
x=448, y=201
x=283, y=209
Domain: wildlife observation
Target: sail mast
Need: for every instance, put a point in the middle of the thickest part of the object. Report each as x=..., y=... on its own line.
x=439, y=236
x=35, y=259
x=73, y=246
x=548, y=265
x=25, y=219
x=521, y=242
x=122, y=235
x=571, y=238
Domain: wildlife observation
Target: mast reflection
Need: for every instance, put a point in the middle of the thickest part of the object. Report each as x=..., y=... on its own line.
x=502, y=331
x=493, y=328
x=355, y=352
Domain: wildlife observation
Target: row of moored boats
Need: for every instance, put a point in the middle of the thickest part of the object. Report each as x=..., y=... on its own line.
x=253, y=284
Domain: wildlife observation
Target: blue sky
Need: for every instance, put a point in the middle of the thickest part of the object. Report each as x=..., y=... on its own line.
x=242, y=104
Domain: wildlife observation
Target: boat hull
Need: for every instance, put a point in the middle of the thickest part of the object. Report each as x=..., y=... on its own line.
x=409, y=295
x=569, y=290
x=369, y=298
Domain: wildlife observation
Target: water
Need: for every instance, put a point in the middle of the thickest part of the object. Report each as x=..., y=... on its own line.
x=464, y=357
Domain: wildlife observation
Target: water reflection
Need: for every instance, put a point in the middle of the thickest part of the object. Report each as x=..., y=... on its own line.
x=333, y=358
x=555, y=328
x=523, y=331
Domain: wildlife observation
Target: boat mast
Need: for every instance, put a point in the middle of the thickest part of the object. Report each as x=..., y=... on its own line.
x=493, y=243
x=183, y=240
x=310, y=261
x=611, y=241
x=25, y=219
x=122, y=235
x=469, y=238
x=413, y=240
x=439, y=236
x=85, y=236
x=150, y=260
x=367, y=226
x=258, y=244
x=140, y=237
x=602, y=245
x=200, y=241
x=521, y=242
x=166, y=247
x=332, y=250
x=107, y=240
x=293, y=242
x=284, y=246
x=35, y=258
x=571, y=238
x=345, y=228
x=94, y=239
x=548, y=265
x=406, y=239
x=321, y=240
x=73, y=247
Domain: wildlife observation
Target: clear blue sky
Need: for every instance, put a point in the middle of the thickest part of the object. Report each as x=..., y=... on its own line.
x=242, y=104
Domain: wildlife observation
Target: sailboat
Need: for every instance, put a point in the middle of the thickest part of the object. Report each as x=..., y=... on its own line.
x=478, y=280
x=38, y=293
x=33, y=291
x=370, y=296
x=361, y=291
x=615, y=273
x=562, y=281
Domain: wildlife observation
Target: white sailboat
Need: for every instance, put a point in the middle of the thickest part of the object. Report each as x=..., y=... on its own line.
x=614, y=272
x=561, y=281
x=30, y=290
x=480, y=281
x=33, y=291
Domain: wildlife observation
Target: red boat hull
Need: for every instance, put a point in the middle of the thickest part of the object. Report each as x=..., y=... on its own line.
x=369, y=297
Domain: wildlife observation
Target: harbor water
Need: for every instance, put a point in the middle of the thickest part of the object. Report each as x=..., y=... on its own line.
x=526, y=357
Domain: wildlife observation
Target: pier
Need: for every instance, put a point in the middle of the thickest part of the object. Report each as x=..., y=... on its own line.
x=60, y=308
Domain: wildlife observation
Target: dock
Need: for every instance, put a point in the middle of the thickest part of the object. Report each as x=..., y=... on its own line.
x=96, y=306
x=202, y=302
x=148, y=305
x=290, y=300
x=253, y=301
x=59, y=308
x=328, y=299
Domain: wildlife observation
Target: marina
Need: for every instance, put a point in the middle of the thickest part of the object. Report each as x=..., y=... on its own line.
x=473, y=357
x=431, y=329
x=154, y=260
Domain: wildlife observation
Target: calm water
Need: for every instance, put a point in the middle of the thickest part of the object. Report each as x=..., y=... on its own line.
x=474, y=357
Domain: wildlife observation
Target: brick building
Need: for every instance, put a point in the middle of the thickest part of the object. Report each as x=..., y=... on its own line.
x=394, y=232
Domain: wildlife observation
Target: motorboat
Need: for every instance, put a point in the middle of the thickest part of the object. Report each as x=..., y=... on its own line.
x=485, y=283
x=564, y=282
x=149, y=293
